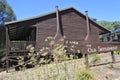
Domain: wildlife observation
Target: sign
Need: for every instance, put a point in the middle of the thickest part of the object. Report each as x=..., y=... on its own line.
x=99, y=47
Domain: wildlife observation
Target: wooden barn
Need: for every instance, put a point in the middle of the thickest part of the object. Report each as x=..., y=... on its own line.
x=67, y=22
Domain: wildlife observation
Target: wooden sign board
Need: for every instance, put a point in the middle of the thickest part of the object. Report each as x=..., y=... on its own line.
x=99, y=47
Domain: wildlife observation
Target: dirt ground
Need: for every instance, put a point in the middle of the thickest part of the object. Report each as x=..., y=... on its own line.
x=103, y=69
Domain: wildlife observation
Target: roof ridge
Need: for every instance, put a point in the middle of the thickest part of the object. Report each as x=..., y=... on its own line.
x=42, y=15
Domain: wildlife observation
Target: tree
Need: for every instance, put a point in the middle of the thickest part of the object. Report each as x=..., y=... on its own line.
x=109, y=25
x=106, y=24
x=6, y=14
x=116, y=24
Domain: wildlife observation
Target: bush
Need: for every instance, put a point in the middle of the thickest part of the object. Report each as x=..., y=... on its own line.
x=118, y=52
x=85, y=75
x=59, y=51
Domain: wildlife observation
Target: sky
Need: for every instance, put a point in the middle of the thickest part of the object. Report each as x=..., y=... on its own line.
x=100, y=9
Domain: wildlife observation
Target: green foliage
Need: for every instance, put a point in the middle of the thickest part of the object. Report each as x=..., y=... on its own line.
x=32, y=55
x=116, y=24
x=85, y=75
x=72, y=46
x=22, y=66
x=96, y=56
x=109, y=25
x=58, y=51
x=106, y=24
x=68, y=70
x=6, y=14
x=117, y=52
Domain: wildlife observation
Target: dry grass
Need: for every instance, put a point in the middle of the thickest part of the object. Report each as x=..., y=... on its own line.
x=62, y=71
x=67, y=70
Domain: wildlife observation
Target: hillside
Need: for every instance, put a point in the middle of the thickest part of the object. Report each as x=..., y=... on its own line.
x=69, y=70
x=110, y=25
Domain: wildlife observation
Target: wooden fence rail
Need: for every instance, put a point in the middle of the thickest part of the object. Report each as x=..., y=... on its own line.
x=20, y=45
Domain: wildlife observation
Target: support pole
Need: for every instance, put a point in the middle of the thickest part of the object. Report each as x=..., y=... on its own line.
x=86, y=61
x=7, y=50
x=113, y=57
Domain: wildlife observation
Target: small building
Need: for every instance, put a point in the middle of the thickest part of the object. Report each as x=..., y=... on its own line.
x=34, y=30
x=116, y=34
x=67, y=22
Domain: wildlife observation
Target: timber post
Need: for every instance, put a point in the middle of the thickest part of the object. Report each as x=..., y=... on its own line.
x=86, y=61
x=87, y=38
x=7, y=50
x=113, y=56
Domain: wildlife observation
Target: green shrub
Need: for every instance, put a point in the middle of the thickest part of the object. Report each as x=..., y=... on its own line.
x=85, y=75
x=118, y=52
x=96, y=56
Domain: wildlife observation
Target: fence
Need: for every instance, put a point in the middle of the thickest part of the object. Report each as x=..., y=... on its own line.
x=20, y=45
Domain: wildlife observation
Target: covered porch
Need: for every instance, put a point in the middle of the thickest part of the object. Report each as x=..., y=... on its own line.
x=18, y=37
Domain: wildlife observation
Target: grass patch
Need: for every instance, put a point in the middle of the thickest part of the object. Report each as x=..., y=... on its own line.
x=85, y=75
x=67, y=70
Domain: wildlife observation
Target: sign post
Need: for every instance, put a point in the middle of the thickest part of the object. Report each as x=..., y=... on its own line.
x=113, y=56
x=99, y=47
x=86, y=61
